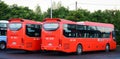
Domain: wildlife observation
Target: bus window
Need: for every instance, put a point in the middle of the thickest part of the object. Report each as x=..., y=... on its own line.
x=81, y=29
x=15, y=26
x=50, y=26
x=69, y=30
x=114, y=36
x=106, y=35
x=33, y=30
x=3, y=24
x=3, y=33
x=3, y=29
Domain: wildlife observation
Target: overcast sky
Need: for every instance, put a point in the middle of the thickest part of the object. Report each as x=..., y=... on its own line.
x=90, y=5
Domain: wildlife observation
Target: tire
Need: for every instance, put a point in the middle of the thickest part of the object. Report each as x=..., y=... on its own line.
x=2, y=46
x=107, y=48
x=79, y=50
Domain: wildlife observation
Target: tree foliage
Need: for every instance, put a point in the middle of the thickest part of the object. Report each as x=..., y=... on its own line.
x=38, y=13
x=21, y=12
x=14, y=11
x=4, y=10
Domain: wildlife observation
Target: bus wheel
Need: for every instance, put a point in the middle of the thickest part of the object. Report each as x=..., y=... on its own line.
x=2, y=46
x=79, y=50
x=107, y=48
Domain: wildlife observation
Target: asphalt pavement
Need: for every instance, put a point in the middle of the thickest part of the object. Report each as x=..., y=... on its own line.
x=15, y=54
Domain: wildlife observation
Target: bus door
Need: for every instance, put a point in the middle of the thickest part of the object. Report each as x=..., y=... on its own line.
x=51, y=35
x=103, y=37
x=90, y=40
x=32, y=37
x=15, y=35
x=69, y=32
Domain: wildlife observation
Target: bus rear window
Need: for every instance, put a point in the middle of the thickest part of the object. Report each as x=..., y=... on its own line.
x=15, y=26
x=50, y=26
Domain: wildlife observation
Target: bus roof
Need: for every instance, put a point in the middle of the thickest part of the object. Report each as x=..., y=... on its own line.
x=57, y=20
x=22, y=20
x=4, y=21
x=96, y=24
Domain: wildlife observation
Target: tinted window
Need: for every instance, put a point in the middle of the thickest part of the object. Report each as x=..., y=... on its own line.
x=80, y=29
x=69, y=30
x=3, y=32
x=15, y=26
x=3, y=26
x=33, y=30
x=91, y=28
x=50, y=26
x=3, y=29
x=114, y=35
x=104, y=32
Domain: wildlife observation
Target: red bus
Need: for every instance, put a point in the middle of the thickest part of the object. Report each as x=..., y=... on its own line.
x=68, y=36
x=23, y=34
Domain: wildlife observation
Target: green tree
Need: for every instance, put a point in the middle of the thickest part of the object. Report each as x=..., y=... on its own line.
x=61, y=12
x=38, y=13
x=38, y=10
x=4, y=11
x=21, y=12
x=56, y=5
x=78, y=15
x=58, y=11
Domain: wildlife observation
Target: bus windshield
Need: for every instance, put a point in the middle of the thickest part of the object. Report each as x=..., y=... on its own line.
x=3, y=24
x=15, y=26
x=50, y=26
